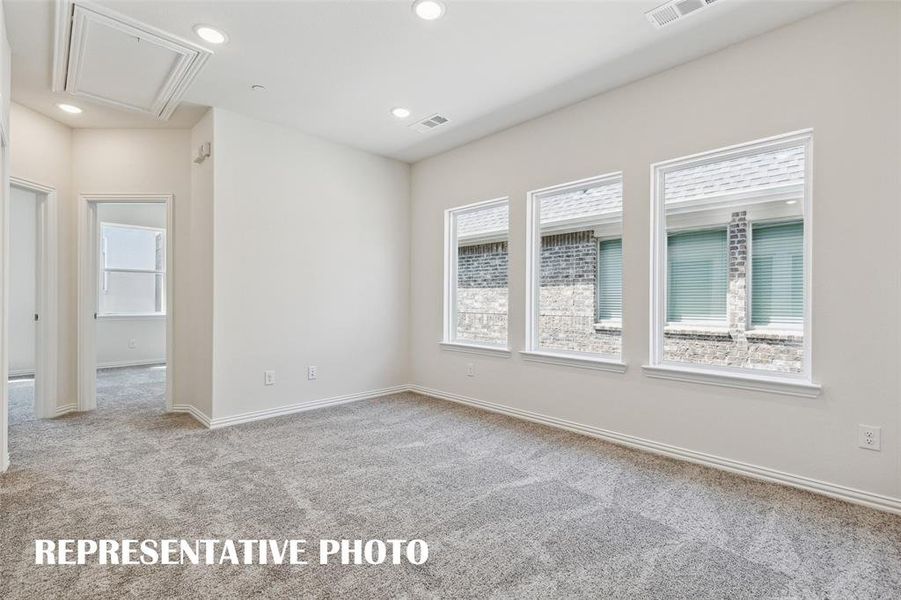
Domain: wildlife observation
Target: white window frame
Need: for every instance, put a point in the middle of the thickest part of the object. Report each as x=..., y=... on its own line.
x=533, y=351
x=794, y=384
x=449, y=339
x=104, y=270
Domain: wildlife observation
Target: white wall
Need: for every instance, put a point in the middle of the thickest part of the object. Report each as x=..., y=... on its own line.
x=22, y=280
x=311, y=267
x=198, y=358
x=5, y=58
x=837, y=72
x=117, y=335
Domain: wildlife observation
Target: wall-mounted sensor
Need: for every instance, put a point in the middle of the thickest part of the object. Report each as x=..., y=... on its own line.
x=203, y=153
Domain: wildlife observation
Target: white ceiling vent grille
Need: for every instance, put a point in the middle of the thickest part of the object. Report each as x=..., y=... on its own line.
x=430, y=123
x=674, y=10
x=112, y=59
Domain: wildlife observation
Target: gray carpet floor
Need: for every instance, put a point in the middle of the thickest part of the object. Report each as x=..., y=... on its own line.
x=509, y=509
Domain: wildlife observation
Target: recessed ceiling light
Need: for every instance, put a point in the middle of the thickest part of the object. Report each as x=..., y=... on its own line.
x=400, y=112
x=429, y=9
x=74, y=110
x=209, y=34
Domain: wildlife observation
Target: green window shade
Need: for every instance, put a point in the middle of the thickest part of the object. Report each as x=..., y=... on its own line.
x=777, y=274
x=610, y=280
x=697, y=276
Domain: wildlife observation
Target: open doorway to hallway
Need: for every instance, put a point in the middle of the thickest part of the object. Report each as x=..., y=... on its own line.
x=23, y=251
x=126, y=288
x=32, y=301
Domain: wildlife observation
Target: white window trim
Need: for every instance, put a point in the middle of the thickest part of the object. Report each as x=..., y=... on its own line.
x=800, y=384
x=104, y=270
x=533, y=351
x=130, y=316
x=449, y=340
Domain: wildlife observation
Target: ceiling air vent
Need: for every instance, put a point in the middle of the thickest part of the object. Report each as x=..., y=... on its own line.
x=671, y=12
x=430, y=123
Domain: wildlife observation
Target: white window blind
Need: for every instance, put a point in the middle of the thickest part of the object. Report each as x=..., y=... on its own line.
x=697, y=276
x=777, y=274
x=610, y=280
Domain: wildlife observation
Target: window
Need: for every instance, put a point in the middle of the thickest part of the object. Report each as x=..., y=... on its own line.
x=476, y=275
x=698, y=276
x=777, y=275
x=609, y=290
x=575, y=265
x=133, y=270
x=730, y=262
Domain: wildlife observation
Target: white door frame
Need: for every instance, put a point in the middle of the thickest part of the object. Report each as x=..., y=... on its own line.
x=88, y=253
x=46, y=331
x=4, y=296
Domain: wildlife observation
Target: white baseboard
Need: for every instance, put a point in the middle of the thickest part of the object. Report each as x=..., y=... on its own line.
x=289, y=409
x=65, y=409
x=106, y=365
x=194, y=412
x=840, y=492
x=20, y=373
x=131, y=363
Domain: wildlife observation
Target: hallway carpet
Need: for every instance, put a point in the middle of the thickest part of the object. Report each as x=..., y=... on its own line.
x=509, y=509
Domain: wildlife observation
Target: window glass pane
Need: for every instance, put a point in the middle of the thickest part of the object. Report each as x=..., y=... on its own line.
x=698, y=272
x=580, y=268
x=734, y=272
x=610, y=280
x=131, y=293
x=132, y=248
x=777, y=274
x=480, y=311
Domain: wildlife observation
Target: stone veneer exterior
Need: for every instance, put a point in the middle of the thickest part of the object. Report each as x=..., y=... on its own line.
x=568, y=309
x=482, y=293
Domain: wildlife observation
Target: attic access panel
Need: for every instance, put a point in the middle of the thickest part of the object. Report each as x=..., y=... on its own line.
x=117, y=61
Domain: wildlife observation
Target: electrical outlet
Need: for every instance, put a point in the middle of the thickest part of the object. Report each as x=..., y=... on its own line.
x=312, y=372
x=268, y=377
x=132, y=344
x=470, y=370
x=869, y=437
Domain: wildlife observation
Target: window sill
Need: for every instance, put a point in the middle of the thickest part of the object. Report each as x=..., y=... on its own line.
x=741, y=381
x=775, y=334
x=706, y=330
x=580, y=361
x=475, y=349
x=135, y=317
x=608, y=326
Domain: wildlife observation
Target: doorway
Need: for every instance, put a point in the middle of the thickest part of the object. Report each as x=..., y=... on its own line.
x=32, y=310
x=125, y=302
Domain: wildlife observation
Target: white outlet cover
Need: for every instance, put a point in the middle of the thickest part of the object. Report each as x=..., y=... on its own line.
x=268, y=377
x=869, y=437
x=312, y=372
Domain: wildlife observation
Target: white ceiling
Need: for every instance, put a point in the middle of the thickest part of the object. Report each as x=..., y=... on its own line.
x=335, y=69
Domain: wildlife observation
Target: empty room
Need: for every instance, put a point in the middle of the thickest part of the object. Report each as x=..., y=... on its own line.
x=450, y=299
